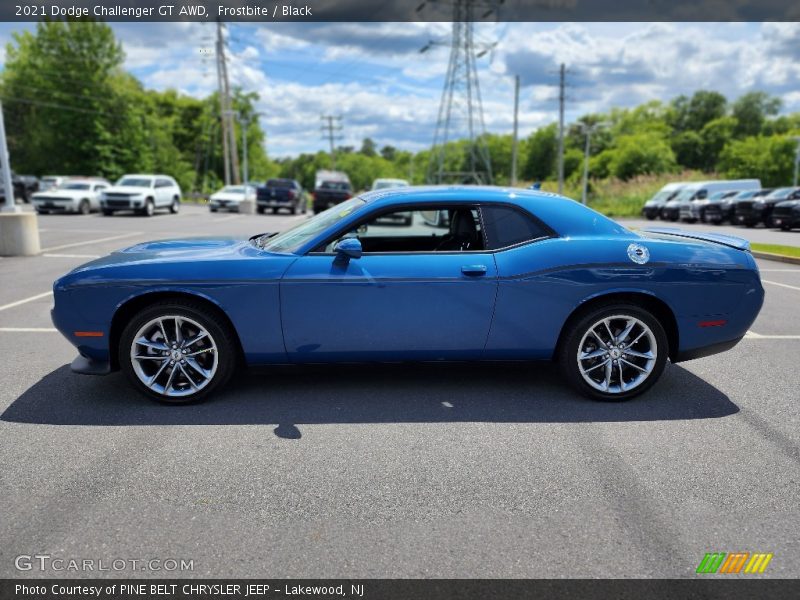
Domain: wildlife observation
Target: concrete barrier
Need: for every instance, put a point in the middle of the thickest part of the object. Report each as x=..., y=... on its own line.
x=19, y=234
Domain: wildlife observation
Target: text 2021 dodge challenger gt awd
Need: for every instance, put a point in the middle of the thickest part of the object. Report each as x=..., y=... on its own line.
x=475, y=273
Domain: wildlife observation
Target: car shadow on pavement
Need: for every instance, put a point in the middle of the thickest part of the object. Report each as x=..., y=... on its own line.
x=421, y=393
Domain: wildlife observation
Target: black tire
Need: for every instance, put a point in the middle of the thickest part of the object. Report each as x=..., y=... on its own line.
x=260, y=210
x=786, y=227
x=650, y=217
x=293, y=209
x=212, y=209
x=42, y=212
x=219, y=332
x=107, y=212
x=275, y=211
x=84, y=207
x=703, y=216
x=149, y=208
x=576, y=328
x=175, y=206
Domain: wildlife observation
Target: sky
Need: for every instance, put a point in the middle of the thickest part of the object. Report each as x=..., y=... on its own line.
x=374, y=76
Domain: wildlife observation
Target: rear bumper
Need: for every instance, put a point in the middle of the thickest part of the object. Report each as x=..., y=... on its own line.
x=705, y=350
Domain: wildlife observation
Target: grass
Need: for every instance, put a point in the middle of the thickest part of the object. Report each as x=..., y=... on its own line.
x=792, y=251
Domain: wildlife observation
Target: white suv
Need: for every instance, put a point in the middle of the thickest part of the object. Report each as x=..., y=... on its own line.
x=142, y=194
x=73, y=195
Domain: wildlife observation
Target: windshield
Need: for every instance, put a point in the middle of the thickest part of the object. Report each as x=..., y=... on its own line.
x=233, y=189
x=280, y=183
x=335, y=185
x=744, y=195
x=74, y=186
x=685, y=195
x=718, y=195
x=291, y=239
x=781, y=193
x=382, y=185
x=134, y=182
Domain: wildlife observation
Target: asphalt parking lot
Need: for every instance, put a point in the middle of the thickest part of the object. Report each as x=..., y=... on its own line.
x=390, y=471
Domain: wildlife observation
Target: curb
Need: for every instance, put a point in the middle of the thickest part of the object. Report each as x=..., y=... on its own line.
x=777, y=257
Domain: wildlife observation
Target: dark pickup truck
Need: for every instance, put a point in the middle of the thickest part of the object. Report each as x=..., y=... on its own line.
x=280, y=193
x=24, y=187
x=331, y=193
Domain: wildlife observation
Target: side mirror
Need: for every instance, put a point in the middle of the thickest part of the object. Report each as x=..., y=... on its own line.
x=348, y=248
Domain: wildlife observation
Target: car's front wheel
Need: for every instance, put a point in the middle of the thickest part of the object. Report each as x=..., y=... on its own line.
x=177, y=352
x=175, y=206
x=614, y=352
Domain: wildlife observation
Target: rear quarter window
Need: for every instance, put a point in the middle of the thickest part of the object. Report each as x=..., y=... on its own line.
x=505, y=226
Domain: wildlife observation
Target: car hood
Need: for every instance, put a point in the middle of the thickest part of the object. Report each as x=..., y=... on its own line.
x=127, y=189
x=788, y=203
x=66, y=194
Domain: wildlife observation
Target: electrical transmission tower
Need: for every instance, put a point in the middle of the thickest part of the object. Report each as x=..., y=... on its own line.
x=331, y=130
x=460, y=110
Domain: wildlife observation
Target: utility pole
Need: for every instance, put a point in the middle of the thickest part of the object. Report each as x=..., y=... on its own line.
x=223, y=107
x=796, y=162
x=5, y=165
x=561, y=100
x=245, y=170
x=514, y=141
x=587, y=129
x=331, y=131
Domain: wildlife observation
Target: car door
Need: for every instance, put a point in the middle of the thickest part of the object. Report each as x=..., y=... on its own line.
x=403, y=299
x=162, y=192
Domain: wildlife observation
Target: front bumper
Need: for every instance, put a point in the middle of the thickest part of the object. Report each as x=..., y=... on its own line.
x=748, y=216
x=56, y=205
x=785, y=218
x=224, y=205
x=87, y=366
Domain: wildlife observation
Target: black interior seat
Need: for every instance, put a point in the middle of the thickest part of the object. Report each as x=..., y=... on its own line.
x=463, y=232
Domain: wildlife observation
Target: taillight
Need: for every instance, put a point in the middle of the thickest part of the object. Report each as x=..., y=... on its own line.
x=291, y=193
x=348, y=196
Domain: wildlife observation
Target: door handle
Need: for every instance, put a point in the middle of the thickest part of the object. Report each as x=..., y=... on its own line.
x=473, y=270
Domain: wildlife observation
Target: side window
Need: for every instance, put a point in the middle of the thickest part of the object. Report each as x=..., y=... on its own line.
x=99, y=187
x=163, y=183
x=423, y=230
x=506, y=226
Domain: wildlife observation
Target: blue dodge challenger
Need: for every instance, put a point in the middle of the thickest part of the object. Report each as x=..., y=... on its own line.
x=415, y=274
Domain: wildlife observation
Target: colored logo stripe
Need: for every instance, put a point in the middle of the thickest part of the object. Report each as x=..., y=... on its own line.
x=733, y=562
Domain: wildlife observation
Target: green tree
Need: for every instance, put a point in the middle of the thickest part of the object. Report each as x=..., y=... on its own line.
x=692, y=114
x=541, y=150
x=641, y=154
x=770, y=159
x=689, y=150
x=62, y=101
x=751, y=112
x=368, y=147
x=715, y=135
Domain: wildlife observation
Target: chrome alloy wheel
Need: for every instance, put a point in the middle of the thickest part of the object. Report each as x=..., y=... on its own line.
x=617, y=354
x=174, y=356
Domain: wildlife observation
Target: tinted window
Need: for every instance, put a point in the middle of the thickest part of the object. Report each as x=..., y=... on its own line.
x=505, y=226
x=163, y=183
x=280, y=183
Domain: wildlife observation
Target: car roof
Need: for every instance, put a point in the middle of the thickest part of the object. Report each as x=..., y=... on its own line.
x=566, y=216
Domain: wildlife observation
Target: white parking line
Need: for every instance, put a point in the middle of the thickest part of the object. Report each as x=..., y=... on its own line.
x=71, y=255
x=752, y=335
x=28, y=330
x=25, y=300
x=791, y=287
x=779, y=270
x=94, y=241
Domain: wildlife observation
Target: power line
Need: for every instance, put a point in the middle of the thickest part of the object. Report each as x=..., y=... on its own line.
x=331, y=132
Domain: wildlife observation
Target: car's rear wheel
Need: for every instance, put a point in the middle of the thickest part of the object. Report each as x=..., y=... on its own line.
x=175, y=206
x=177, y=352
x=614, y=352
